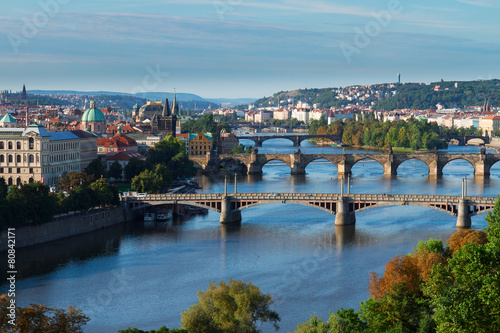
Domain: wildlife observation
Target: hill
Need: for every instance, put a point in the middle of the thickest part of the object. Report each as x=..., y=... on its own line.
x=389, y=96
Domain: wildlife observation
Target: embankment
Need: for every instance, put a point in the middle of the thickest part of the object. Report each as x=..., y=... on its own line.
x=67, y=226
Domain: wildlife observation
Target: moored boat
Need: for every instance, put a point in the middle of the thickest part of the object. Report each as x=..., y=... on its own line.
x=149, y=217
x=163, y=215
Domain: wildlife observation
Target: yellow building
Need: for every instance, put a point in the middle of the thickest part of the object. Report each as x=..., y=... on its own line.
x=489, y=125
x=201, y=144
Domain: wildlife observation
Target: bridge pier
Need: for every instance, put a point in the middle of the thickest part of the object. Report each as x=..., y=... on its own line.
x=481, y=169
x=389, y=170
x=343, y=216
x=228, y=212
x=254, y=169
x=463, y=215
x=343, y=170
x=298, y=169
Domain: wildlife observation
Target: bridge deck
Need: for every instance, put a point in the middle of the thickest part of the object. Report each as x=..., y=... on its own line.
x=279, y=197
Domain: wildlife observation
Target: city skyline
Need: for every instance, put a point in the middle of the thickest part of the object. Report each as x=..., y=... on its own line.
x=244, y=49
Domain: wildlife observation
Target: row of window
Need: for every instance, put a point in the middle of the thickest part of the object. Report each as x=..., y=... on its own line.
x=64, y=157
x=10, y=158
x=10, y=181
x=10, y=144
x=18, y=170
x=63, y=146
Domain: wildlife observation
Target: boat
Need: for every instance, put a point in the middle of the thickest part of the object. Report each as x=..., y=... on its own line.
x=149, y=217
x=196, y=210
x=163, y=215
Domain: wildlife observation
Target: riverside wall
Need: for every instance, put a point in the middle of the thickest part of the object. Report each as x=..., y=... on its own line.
x=67, y=225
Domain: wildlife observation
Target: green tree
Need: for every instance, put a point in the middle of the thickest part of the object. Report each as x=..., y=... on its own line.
x=162, y=329
x=231, y=307
x=134, y=167
x=102, y=191
x=115, y=170
x=40, y=205
x=96, y=169
x=165, y=150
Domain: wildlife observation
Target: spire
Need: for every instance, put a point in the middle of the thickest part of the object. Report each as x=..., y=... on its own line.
x=24, y=92
x=175, y=107
x=166, y=109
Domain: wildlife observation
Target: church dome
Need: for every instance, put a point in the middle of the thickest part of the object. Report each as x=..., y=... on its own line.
x=93, y=114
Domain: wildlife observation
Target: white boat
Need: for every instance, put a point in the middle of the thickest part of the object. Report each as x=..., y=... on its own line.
x=149, y=217
x=163, y=215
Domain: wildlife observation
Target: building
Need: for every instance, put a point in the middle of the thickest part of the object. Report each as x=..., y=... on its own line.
x=262, y=116
x=93, y=120
x=489, y=125
x=226, y=142
x=33, y=154
x=8, y=121
x=201, y=144
x=116, y=143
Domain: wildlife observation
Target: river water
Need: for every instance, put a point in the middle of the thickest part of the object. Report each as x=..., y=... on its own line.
x=145, y=276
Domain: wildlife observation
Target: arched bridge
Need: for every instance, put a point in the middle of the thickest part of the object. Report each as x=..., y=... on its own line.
x=298, y=162
x=464, y=139
x=296, y=139
x=343, y=206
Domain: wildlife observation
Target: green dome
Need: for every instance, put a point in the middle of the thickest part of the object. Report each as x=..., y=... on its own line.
x=93, y=114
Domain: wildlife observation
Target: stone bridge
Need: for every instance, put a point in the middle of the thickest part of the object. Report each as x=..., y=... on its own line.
x=343, y=206
x=298, y=162
x=464, y=139
x=296, y=139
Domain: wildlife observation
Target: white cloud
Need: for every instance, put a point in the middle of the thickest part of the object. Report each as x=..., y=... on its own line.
x=481, y=3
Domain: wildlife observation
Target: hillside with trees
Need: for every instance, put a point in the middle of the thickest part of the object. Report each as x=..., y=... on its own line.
x=392, y=96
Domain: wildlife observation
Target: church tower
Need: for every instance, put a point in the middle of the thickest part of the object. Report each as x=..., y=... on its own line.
x=23, y=94
x=167, y=121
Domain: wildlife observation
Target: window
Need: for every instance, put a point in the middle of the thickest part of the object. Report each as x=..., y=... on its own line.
x=1, y=170
x=2, y=145
x=18, y=158
x=31, y=143
x=18, y=170
x=10, y=158
x=2, y=158
x=18, y=181
x=10, y=144
x=31, y=180
x=31, y=170
x=10, y=182
x=18, y=145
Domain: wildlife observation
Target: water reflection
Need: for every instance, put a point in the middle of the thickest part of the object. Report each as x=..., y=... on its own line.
x=45, y=258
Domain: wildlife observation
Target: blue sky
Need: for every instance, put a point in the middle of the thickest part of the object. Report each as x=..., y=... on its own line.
x=243, y=48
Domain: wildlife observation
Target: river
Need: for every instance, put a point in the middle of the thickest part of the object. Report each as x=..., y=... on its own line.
x=145, y=276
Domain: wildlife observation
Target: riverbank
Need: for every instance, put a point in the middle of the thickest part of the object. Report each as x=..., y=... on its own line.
x=65, y=226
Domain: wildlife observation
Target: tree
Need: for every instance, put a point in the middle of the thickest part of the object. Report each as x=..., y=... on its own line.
x=134, y=167
x=165, y=150
x=96, y=169
x=115, y=170
x=162, y=329
x=40, y=205
x=40, y=318
x=73, y=179
x=344, y=320
x=231, y=307
x=102, y=191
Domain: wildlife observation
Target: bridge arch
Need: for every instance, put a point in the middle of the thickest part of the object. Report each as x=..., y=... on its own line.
x=397, y=164
x=481, y=140
x=459, y=158
x=276, y=158
x=292, y=202
x=320, y=158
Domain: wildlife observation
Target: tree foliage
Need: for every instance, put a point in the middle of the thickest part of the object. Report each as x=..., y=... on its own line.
x=231, y=307
x=40, y=318
x=115, y=170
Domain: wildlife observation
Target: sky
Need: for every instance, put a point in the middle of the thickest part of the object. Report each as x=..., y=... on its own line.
x=243, y=48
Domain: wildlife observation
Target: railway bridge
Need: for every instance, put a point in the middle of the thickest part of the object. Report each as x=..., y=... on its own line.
x=298, y=162
x=343, y=206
